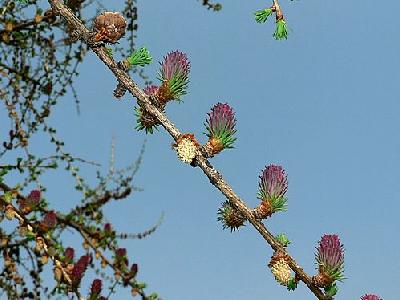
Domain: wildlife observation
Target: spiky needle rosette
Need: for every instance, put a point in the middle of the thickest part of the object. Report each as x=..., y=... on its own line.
x=220, y=128
x=144, y=120
x=330, y=260
x=230, y=217
x=272, y=188
x=174, y=75
x=140, y=57
x=109, y=27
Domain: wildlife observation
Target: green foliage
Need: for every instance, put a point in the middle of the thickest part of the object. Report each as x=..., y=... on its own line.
x=178, y=86
x=282, y=239
x=217, y=7
x=331, y=290
x=140, y=57
x=262, y=15
x=153, y=296
x=109, y=52
x=279, y=203
x=141, y=285
x=8, y=197
x=3, y=172
x=292, y=284
x=281, y=31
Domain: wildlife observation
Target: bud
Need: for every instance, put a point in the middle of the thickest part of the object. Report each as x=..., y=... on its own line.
x=220, y=129
x=109, y=27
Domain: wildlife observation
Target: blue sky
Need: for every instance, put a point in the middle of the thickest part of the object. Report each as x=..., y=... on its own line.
x=324, y=104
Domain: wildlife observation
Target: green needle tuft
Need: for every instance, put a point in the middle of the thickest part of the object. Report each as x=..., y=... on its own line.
x=140, y=57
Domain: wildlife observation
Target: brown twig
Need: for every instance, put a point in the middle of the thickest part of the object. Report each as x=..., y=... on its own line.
x=277, y=9
x=214, y=176
x=20, y=73
x=213, y=6
x=26, y=24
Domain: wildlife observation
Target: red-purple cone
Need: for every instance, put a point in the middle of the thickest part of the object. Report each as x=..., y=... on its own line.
x=32, y=201
x=120, y=253
x=96, y=287
x=69, y=255
x=370, y=297
x=79, y=269
x=49, y=221
x=174, y=75
x=220, y=128
x=330, y=260
x=34, y=196
x=272, y=189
